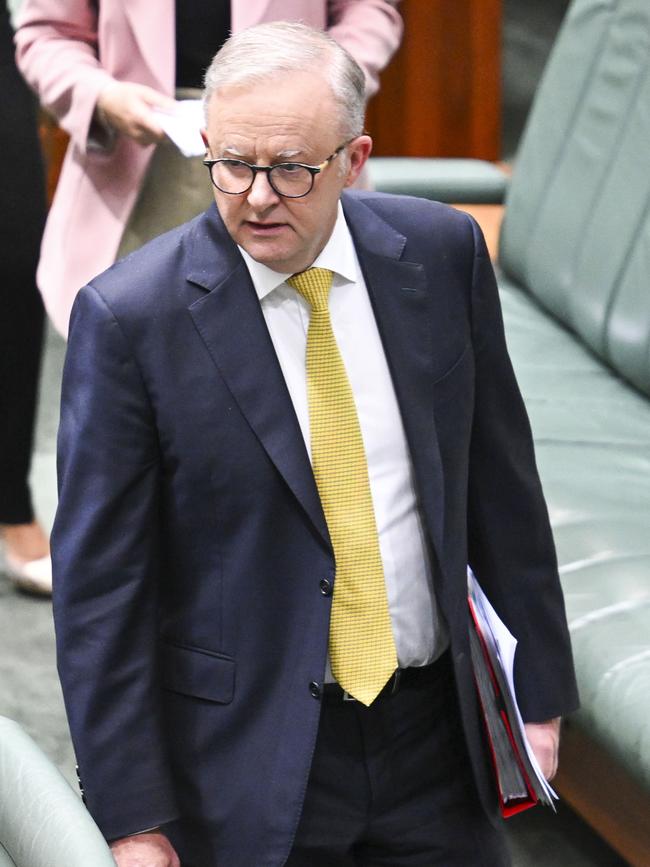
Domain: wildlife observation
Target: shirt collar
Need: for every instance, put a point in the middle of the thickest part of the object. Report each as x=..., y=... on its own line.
x=337, y=255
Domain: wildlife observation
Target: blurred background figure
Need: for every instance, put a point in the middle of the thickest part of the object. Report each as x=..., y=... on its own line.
x=102, y=68
x=22, y=214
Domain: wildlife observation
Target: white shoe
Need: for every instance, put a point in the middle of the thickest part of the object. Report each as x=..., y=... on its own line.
x=32, y=576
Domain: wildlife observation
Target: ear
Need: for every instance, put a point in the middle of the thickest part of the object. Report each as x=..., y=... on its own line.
x=358, y=152
x=204, y=136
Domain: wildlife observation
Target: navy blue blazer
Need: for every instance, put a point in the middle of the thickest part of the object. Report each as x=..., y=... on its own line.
x=190, y=541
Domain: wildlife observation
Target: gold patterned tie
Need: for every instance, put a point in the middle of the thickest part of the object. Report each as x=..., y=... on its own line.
x=361, y=644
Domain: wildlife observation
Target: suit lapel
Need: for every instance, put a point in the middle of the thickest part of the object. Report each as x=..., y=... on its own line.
x=402, y=303
x=153, y=30
x=230, y=321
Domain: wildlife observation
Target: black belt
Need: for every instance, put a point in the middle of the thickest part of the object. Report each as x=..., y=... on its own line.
x=402, y=678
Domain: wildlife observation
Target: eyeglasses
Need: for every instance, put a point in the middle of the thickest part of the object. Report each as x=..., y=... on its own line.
x=291, y=180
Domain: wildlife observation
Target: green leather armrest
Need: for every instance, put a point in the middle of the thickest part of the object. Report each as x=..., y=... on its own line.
x=43, y=822
x=456, y=181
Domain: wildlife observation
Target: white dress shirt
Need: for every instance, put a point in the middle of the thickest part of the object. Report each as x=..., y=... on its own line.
x=419, y=632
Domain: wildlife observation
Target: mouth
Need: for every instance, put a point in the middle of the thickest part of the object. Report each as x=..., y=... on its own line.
x=265, y=229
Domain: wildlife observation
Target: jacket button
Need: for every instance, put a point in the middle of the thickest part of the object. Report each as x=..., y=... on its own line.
x=325, y=587
x=315, y=689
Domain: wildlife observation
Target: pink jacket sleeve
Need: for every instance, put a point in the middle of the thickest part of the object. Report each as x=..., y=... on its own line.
x=56, y=50
x=370, y=30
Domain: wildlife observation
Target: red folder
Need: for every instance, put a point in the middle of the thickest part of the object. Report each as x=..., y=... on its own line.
x=509, y=758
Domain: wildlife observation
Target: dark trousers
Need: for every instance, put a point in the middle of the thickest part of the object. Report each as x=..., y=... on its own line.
x=22, y=213
x=391, y=786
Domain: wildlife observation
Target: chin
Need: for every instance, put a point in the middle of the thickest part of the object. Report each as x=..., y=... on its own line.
x=276, y=261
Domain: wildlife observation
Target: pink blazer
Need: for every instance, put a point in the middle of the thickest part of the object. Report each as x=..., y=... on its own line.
x=69, y=50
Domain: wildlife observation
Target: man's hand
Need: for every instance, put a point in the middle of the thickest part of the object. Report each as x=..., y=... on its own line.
x=128, y=108
x=152, y=849
x=544, y=738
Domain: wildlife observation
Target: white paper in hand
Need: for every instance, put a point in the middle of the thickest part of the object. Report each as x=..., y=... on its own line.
x=183, y=126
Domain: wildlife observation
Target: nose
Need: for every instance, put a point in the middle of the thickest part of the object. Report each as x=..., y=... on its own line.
x=262, y=195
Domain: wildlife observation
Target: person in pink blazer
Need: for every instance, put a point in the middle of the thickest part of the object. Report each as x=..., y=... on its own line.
x=99, y=67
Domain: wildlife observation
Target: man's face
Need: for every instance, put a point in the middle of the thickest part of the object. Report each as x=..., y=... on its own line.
x=291, y=118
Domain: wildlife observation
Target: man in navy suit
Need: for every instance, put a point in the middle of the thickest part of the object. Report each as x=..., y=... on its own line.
x=195, y=573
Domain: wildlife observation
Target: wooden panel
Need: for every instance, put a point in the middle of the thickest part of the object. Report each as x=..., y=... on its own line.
x=609, y=799
x=441, y=95
x=489, y=218
x=54, y=142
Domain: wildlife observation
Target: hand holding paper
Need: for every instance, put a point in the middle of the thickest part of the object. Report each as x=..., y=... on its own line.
x=133, y=110
x=544, y=739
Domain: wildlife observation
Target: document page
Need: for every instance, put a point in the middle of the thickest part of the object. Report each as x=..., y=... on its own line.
x=183, y=126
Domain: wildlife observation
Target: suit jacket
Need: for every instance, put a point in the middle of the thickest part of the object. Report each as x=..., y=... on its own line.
x=190, y=540
x=69, y=50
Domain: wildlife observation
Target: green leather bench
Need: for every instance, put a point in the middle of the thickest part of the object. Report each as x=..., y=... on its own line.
x=575, y=281
x=574, y=274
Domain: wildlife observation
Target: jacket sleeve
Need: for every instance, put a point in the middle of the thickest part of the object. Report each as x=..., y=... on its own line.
x=371, y=30
x=105, y=545
x=57, y=52
x=511, y=548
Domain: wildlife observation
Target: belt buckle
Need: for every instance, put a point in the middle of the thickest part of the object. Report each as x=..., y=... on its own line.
x=395, y=677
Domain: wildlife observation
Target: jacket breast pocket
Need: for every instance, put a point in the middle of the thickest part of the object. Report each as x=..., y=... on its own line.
x=199, y=673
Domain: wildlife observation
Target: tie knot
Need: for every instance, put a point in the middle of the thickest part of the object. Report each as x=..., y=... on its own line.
x=314, y=285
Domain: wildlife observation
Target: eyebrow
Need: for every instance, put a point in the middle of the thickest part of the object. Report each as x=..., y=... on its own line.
x=281, y=156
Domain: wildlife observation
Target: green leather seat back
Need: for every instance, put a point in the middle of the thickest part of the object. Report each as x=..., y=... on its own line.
x=5, y=860
x=576, y=234
x=455, y=181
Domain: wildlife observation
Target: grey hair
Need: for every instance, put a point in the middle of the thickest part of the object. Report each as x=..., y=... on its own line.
x=259, y=53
